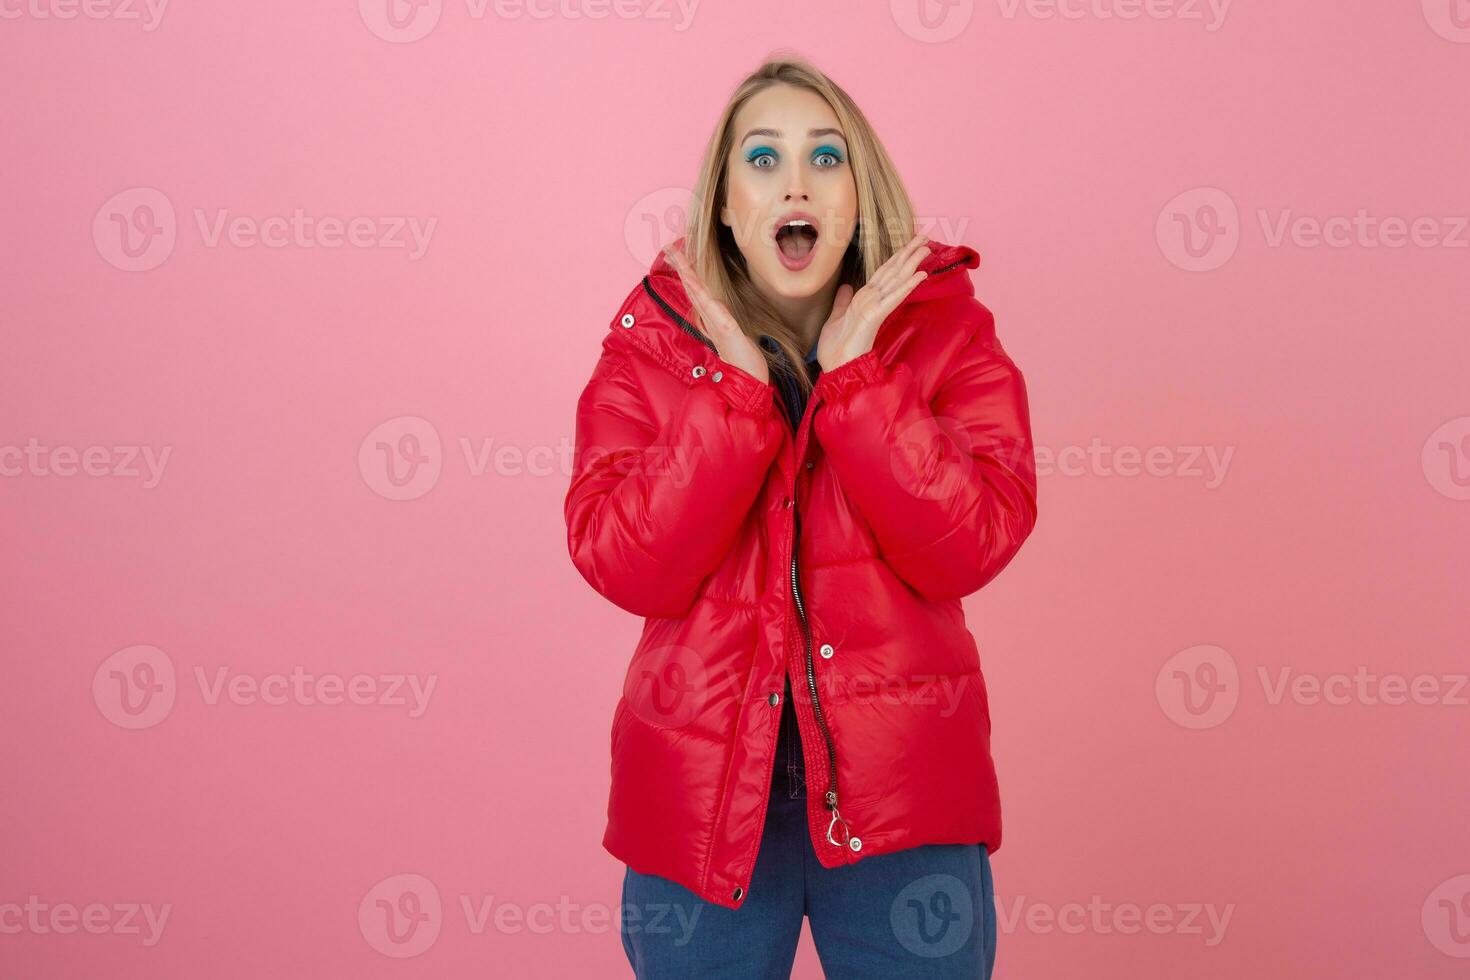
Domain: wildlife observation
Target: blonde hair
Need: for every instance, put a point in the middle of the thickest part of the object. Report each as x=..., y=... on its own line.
x=885, y=218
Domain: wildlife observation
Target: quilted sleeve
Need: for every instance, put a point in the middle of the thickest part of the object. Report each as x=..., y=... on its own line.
x=655, y=503
x=947, y=486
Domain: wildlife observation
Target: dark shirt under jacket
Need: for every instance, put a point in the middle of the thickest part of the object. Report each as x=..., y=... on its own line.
x=788, y=743
x=791, y=394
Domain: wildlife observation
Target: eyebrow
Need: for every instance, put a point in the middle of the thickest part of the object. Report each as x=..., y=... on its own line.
x=813, y=133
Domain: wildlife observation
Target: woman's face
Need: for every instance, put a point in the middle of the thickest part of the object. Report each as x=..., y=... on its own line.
x=789, y=156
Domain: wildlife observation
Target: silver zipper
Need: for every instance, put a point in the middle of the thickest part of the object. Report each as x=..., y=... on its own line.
x=830, y=797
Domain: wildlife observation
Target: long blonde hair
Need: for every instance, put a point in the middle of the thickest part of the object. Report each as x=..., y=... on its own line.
x=885, y=215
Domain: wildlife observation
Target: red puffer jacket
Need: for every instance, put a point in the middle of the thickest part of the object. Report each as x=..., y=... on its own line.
x=837, y=554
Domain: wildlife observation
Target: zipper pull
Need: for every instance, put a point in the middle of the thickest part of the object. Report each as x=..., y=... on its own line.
x=836, y=819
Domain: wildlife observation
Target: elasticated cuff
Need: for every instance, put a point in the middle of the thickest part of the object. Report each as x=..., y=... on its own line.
x=861, y=371
x=742, y=389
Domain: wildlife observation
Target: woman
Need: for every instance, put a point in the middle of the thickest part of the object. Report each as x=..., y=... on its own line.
x=804, y=727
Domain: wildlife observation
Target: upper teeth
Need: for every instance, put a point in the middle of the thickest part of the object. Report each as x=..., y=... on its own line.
x=795, y=222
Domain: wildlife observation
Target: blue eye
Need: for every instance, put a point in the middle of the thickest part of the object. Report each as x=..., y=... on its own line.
x=761, y=153
x=828, y=151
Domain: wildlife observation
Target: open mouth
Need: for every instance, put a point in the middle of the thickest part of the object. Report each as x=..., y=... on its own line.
x=796, y=239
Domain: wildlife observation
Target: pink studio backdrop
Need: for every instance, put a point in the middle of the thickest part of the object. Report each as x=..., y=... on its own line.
x=288, y=623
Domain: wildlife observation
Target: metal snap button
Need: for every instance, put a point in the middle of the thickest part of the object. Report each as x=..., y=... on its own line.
x=774, y=699
x=827, y=651
x=627, y=319
x=810, y=464
x=786, y=502
x=699, y=370
x=739, y=892
x=856, y=843
x=717, y=375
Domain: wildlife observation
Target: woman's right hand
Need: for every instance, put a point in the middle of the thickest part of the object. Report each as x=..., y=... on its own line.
x=714, y=318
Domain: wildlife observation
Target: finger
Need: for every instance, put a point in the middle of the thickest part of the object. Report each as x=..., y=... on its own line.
x=908, y=260
x=710, y=313
x=890, y=273
x=686, y=272
x=842, y=300
x=840, y=303
x=914, y=251
x=675, y=256
x=917, y=255
x=693, y=287
x=905, y=250
x=889, y=301
x=896, y=296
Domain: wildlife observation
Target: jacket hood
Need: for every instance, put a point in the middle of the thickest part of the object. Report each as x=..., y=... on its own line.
x=948, y=267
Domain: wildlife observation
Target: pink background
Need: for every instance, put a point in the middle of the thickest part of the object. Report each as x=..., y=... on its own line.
x=551, y=153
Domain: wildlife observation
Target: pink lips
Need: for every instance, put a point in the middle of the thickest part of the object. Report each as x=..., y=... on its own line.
x=795, y=265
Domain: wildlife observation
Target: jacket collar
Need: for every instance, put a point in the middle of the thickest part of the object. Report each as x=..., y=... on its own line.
x=948, y=267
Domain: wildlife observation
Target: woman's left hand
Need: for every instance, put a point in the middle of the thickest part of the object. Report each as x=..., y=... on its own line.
x=850, y=330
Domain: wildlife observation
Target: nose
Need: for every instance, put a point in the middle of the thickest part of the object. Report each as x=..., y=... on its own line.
x=796, y=189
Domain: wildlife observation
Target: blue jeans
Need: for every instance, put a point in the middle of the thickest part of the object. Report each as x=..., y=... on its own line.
x=926, y=911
